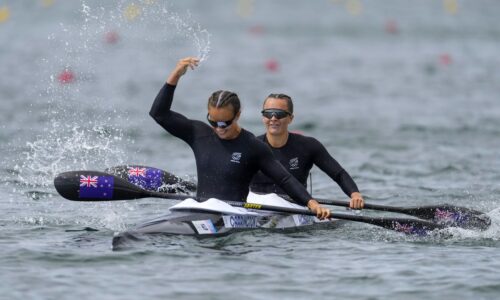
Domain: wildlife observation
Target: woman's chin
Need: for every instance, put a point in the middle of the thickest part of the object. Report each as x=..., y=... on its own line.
x=274, y=130
x=222, y=134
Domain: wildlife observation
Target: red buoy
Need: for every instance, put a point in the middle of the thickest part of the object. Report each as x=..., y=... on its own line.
x=111, y=37
x=391, y=27
x=272, y=65
x=445, y=59
x=66, y=76
x=256, y=30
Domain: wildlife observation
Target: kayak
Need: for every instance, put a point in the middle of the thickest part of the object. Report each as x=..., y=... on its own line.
x=214, y=218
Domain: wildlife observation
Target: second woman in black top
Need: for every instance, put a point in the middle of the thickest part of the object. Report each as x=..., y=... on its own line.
x=298, y=153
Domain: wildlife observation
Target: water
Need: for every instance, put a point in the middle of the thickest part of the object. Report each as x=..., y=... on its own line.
x=413, y=115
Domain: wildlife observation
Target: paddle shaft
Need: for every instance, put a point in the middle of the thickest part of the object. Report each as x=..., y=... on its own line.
x=365, y=206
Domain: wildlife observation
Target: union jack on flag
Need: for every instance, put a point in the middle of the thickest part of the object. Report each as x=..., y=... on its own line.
x=96, y=187
x=449, y=217
x=147, y=178
x=405, y=228
x=88, y=181
x=137, y=172
x=444, y=215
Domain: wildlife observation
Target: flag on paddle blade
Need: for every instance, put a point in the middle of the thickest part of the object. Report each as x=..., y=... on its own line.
x=445, y=217
x=147, y=178
x=100, y=187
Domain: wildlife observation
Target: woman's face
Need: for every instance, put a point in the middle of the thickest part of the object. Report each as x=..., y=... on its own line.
x=275, y=126
x=224, y=122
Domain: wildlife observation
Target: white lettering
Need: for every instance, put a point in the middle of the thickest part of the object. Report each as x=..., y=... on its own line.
x=240, y=221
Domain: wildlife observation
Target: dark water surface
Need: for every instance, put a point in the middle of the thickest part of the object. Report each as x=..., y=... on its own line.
x=403, y=94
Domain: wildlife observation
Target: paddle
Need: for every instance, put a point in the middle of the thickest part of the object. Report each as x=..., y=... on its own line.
x=445, y=214
x=152, y=179
x=99, y=186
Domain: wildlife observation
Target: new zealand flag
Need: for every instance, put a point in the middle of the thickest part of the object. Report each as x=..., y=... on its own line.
x=100, y=187
x=147, y=178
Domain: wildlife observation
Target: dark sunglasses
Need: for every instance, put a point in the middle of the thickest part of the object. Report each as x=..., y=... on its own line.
x=278, y=113
x=220, y=124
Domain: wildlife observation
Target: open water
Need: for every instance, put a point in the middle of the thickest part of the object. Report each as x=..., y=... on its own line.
x=404, y=94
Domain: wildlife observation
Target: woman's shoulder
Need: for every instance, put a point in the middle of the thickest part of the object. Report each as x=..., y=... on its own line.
x=298, y=137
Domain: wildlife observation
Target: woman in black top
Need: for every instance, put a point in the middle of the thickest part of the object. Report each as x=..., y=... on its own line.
x=227, y=156
x=297, y=153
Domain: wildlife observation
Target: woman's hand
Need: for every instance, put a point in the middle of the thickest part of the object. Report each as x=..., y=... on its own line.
x=357, y=201
x=321, y=212
x=181, y=68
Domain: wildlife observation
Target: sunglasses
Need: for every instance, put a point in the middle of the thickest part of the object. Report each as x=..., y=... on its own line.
x=220, y=124
x=278, y=113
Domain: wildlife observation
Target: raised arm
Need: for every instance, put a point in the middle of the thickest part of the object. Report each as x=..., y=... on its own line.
x=175, y=123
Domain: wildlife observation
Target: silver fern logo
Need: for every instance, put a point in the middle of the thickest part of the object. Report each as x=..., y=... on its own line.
x=236, y=157
x=294, y=163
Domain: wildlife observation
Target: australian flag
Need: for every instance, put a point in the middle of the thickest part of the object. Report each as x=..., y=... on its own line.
x=99, y=187
x=147, y=178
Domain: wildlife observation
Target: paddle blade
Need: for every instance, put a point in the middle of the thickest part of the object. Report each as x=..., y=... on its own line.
x=407, y=226
x=95, y=186
x=411, y=226
x=152, y=179
x=452, y=216
x=443, y=214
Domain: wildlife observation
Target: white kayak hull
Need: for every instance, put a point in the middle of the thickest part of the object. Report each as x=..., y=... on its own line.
x=214, y=218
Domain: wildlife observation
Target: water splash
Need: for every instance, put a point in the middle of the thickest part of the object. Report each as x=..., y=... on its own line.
x=69, y=147
x=82, y=131
x=200, y=37
x=490, y=234
x=162, y=24
x=82, y=122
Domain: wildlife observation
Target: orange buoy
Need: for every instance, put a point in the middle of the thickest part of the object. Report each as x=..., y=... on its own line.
x=4, y=14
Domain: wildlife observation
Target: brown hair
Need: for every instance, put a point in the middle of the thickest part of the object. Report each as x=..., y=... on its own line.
x=289, y=102
x=223, y=99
